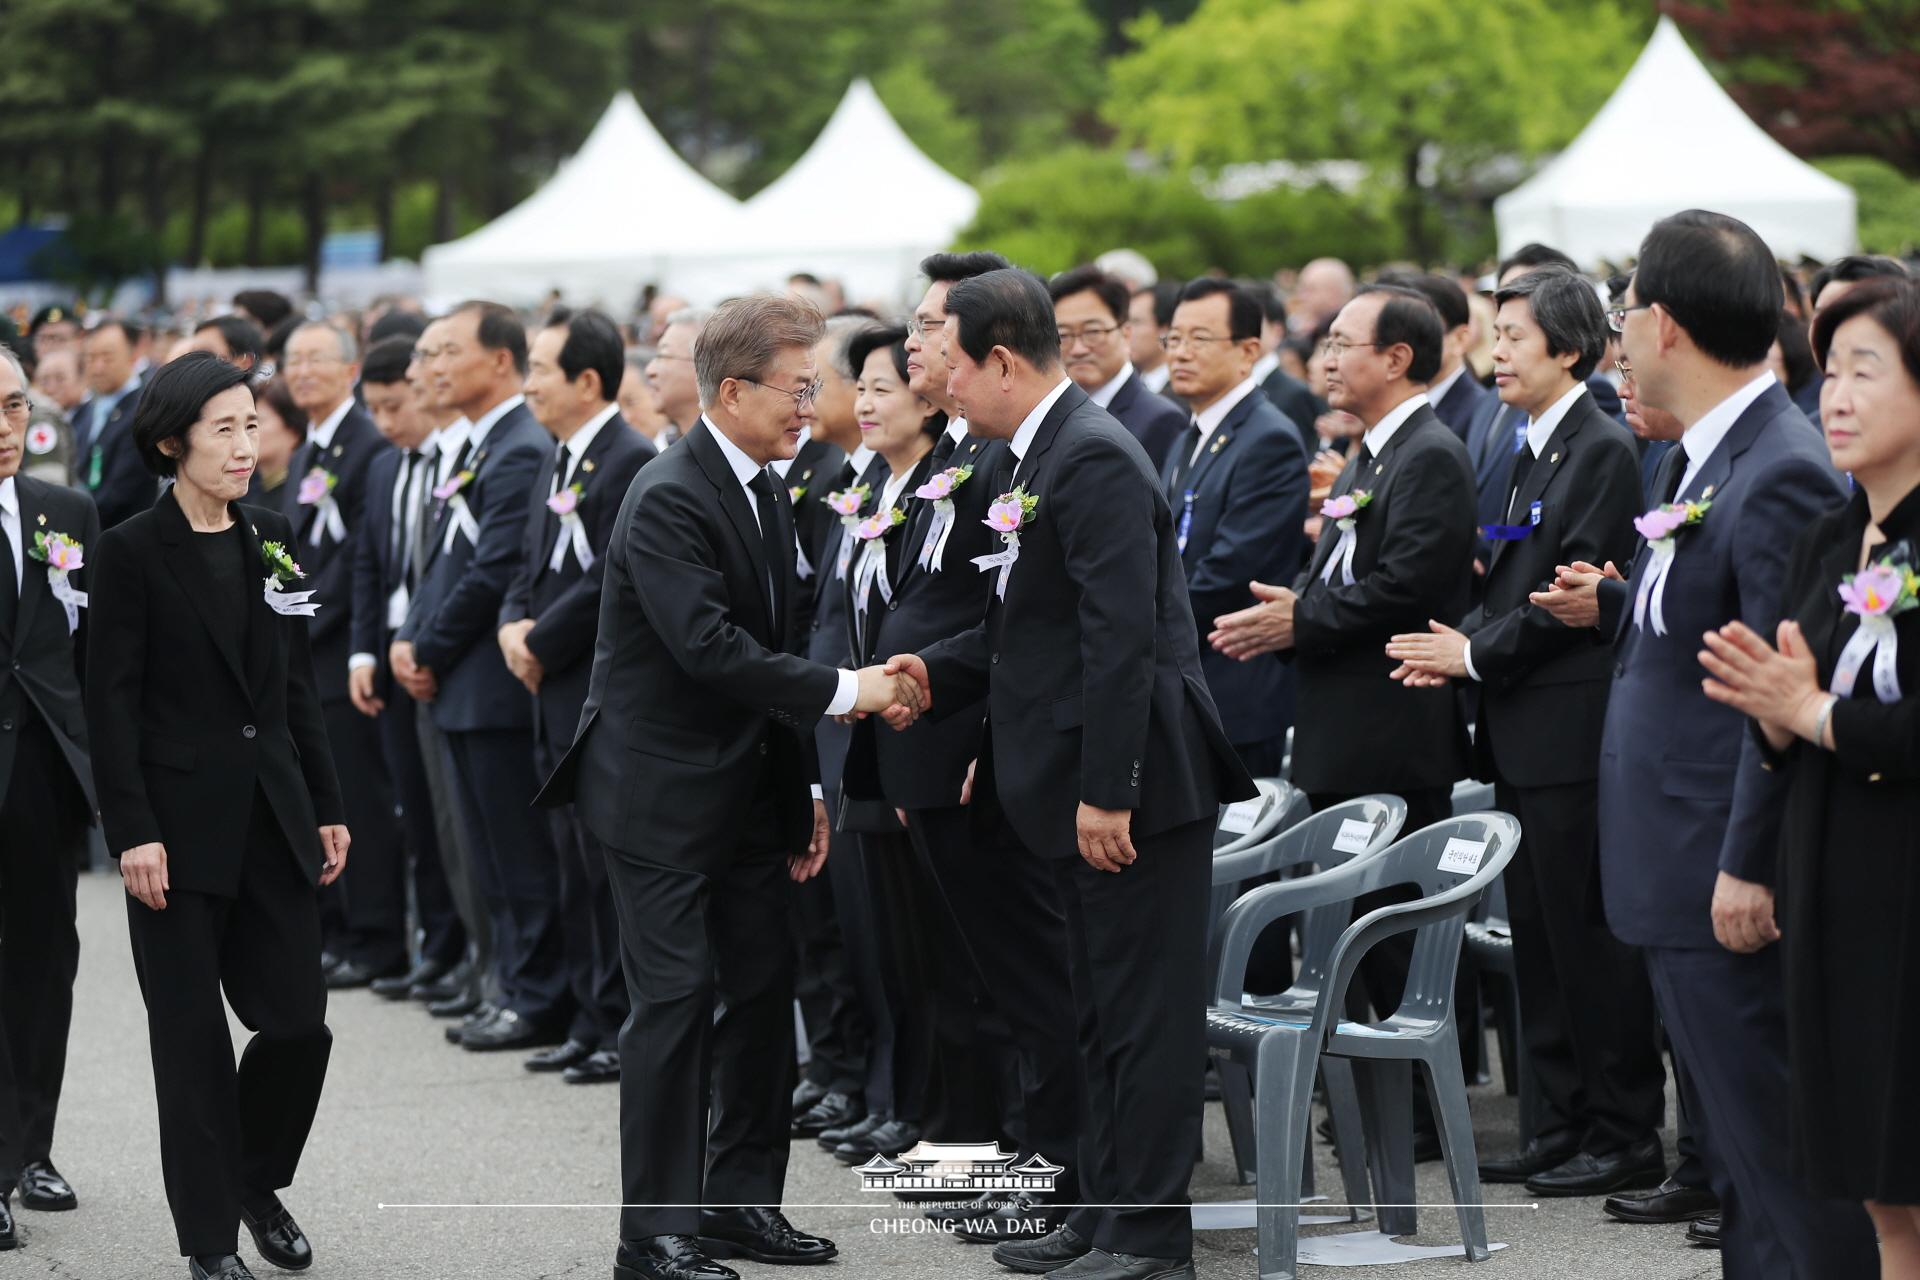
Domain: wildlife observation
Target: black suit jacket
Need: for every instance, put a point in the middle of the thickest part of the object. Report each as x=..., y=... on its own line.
x=1155, y=421
x=694, y=710
x=376, y=570
x=1462, y=402
x=185, y=728
x=808, y=480
x=455, y=616
x=1089, y=665
x=329, y=560
x=1248, y=524
x=108, y=465
x=43, y=662
x=1412, y=563
x=565, y=605
x=1297, y=403
x=1543, y=687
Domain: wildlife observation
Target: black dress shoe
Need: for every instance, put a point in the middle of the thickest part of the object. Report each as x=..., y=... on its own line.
x=1535, y=1158
x=350, y=974
x=762, y=1235
x=1101, y=1265
x=397, y=986
x=1668, y=1202
x=42, y=1188
x=227, y=1267
x=1705, y=1231
x=602, y=1066
x=7, y=1240
x=507, y=1031
x=1048, y=1253
x=805, y=1094
x=560, y=1057
x=479, y=1016
x=829, y=1111
x=1025, y=1215
x=460, y=1005
x=894, y=1135
x=1630, y=1169
x=457, y=981
x=278, y=1237
x=831, y=1138
x=667, y=1258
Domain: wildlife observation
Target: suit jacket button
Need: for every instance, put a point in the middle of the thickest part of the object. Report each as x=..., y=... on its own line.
x=1872, y=777
x=763, y=748
x=1486, y=611
x=996, y=658
x=6, y=725
x=1619, y=668
x=249, y=732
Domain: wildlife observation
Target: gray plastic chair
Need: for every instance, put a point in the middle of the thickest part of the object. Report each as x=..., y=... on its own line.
x=1284, y=1048
x=1242, y=856
x=1324, y=840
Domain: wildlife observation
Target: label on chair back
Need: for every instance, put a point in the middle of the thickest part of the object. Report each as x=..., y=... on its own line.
x=1462, y=857
x=1355, y=835
x=1238, y=819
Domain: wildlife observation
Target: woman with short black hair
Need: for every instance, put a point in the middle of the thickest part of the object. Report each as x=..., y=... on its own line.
x=219, y=799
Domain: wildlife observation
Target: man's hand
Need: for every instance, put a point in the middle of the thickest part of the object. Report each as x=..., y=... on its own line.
x=333, y=845
x=143, y=869
x=417, y=680
x=1779, y=688
x=1257, y=629
x=966, y=785
x=915, y=690
x=805, y=866
x=360, y=690
x=1429, y=659
x=1104, y=839
x=1743, y=914
x=521, y=661
x=1572, y=599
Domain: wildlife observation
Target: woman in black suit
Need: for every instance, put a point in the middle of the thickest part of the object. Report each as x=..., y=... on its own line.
x=1838, y=707
x=219, y=799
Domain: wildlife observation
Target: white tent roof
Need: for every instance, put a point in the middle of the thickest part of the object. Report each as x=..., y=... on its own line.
x=621, y=212
x=1670, y=139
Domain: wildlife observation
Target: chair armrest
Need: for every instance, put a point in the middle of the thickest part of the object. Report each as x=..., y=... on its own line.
x=1370, y=930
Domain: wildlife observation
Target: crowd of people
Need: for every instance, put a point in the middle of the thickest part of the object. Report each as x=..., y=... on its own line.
x=610, y=688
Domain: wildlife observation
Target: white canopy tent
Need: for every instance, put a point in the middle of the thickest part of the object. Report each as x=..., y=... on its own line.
x=623, y=212
x=1670, y=139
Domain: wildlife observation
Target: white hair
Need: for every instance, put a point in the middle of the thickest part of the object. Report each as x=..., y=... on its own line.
x=1131, y=266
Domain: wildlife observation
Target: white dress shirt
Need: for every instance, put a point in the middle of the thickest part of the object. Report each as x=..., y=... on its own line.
x=1210, y=418
x=1381, y=433
x=579, y=442
x=322, y=435
x=1156, y=379
x=403, y=509
x=1030, y=425
x=1104, y=396
x=478, y=433
x=1263, y=367
x=1438, y=391
x=448, y=441
x=1704, y=436
x=10, y=519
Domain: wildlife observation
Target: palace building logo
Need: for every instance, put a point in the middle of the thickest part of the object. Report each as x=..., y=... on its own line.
x=957, y=1167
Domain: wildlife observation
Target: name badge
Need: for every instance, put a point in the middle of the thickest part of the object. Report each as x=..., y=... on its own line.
x=1533, y=513
x=1462, y=857
x=1354, y=836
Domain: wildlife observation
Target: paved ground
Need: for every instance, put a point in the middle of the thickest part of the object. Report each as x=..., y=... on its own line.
x=408, y=1120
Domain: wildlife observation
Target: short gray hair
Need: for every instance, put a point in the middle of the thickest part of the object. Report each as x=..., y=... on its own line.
x=1568, y=312
x=745, y=335
x=6, y=354
x=695, y=318
x=349, y=349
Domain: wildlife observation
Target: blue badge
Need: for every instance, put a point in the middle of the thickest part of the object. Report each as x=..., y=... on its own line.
x=1186, y=521
x=1533, y=514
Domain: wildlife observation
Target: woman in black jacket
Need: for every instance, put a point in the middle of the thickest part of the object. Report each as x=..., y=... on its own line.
x=219, y=799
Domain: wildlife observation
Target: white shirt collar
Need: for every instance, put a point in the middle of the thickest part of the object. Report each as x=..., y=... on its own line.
x=478, y=432
x=447, y=443
x=577, y=442
x=1265, y=365
x=890, y=490
x=1156, y=379
x=1104, y=396
x=9, y=497
x=1216, y=413
x=744, y=468
x=323, y=434
x=1438, y=391
x=957, y=429
x=1381, y=433
x=1541, y=429
x=1023, y=438
x=1704, y=436
x=861, y=456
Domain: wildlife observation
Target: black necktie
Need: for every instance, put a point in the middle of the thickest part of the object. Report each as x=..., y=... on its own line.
x=424, y=523
x=943, y=449
x=402, y=491
x=1522, y=463
x=1676, y=464
x=1183, y=460
x=560, y=468
x=762, y=486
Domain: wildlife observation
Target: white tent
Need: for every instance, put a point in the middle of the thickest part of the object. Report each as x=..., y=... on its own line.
x=625, y=211
x=1670, y=139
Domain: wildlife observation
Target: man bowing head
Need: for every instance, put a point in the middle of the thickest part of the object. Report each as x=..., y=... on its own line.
x=1101, y=742
x=692, y=764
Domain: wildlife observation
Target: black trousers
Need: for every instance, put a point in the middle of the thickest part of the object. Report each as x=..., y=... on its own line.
x=1726, y=1015
x=43, y=820
x=371, y=894
x=442, y=937
x=590, y=929
x=1586, y=1009
x=450, y=829
x=513, y=869
x=910, y=937
x=226, y=1134
x=1137, y=942
x=688, y=942
x=830, y=1008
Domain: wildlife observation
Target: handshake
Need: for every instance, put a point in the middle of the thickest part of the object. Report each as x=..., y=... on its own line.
x=897, y=692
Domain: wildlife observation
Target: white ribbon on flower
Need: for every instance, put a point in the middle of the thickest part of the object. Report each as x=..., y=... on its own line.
x=291, y=604
x=872, y=569
x=1342, y=557
x=802, y=567
x=933, y=548
x=1001, y=560
x=1653, y=587
x=573, y=533
x=328, y=521
x=1875, y=637
x=846, y=549
x=70, y=600
x=463, y=523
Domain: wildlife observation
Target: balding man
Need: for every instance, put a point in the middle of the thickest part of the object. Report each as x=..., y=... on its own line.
x=671, y=373
x=1324, y=286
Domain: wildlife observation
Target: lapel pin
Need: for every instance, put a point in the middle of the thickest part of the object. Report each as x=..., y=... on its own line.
x=256, y=530
x=42, y=517
x=1707, y=492
x=1378, y=467
x=587, y=465
x=1555, y=457
x=1216, y=445
x=338, y=450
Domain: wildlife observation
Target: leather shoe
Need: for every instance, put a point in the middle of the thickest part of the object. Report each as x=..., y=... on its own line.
x=667, y=1258
x=1049, y=1253
x=1705, y=1231
x=507, y=1031
x=1668, y=1202
x=1534, y=1158
x=397, y=987
x=763, y=1235
x=894, y=1135
x=831, y=1138
x=278, y=1237
x=480, y=1016
x=1632, y=1168
x=829, y=1111
x=560, y=1057
x=457, y=981
x=350, y=974
x=224, y=1268
x=805, y=1094
x=461, y=1005
x=42, y=1188
x=602, y=1066
x=1025, y=1214
x=1098, y=1264
x=7, y=1240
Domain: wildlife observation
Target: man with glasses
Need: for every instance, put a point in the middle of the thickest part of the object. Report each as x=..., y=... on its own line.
x=1092, y=310
x=670, y=373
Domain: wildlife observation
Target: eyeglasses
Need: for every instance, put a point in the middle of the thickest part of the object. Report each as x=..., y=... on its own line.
x=1624, y=369
x=1177, y=341
x=801, y=398
x=1091, y=334
x=661, y=355
x=16, y=406
x=309, y=362
x=918, y=328
x=1617, y=316
x=1336, y=348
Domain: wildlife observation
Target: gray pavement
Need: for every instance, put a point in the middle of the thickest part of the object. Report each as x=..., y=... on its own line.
x=408, y=1120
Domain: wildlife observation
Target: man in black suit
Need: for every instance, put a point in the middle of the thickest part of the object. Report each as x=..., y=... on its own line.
x=1293, y=398
x=46, y=805
x=692, y=765
x=106, y=464
x=1102, y=741
x=1237, y=482
x=324, y=499
x=1586, y=1009
x=1096, y=337
x=547, y=627
x=445, y=653
x=1455, y=394
x=829, y=438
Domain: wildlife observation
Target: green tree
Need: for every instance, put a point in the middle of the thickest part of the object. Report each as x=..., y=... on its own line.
x=1889, y=202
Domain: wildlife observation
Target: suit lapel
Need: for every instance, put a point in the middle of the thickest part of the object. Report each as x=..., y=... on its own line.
x=1222, y=439
x=33, y=581
x=190, y=574
x=733, y=501
x=260, y=617
x=1559, y=450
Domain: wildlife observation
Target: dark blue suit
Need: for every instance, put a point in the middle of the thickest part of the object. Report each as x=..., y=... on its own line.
x=1245, y=522
x=1685, y=795
x=1154, y=420
x=106, y=463
x=1493, y=437
x=1462, y=402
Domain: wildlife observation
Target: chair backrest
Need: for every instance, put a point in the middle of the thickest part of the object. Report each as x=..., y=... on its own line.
x=1245, y=823
x=1472, y=797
